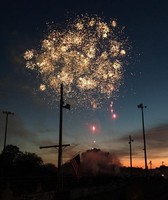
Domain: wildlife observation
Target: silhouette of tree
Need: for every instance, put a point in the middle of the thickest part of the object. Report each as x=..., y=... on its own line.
x=16, y=163
x=28, y=164
x=9, y=156
x=23, y=171
x=49, y=169
x=29, y=159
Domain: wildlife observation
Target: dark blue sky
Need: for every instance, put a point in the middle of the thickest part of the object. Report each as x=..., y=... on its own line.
x=35, y=123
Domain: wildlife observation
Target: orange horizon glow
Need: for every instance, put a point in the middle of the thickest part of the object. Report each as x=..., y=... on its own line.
x=137, y=163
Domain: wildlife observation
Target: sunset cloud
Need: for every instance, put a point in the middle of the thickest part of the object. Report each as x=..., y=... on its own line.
x=156, y=143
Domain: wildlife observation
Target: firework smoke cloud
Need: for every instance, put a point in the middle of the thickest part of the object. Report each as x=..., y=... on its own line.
x=98, y=162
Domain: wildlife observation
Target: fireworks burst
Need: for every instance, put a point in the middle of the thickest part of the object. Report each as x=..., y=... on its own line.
x=87, y=57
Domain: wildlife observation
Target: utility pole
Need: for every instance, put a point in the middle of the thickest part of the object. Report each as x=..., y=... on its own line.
x=6, y=126
x=60, y=145
x=67, y=106
x=55, y=146
x=150, y=164
x=130, y=141
x=141, y=106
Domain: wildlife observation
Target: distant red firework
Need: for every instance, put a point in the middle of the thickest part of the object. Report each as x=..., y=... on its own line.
x=93, y=128
x=114, y=116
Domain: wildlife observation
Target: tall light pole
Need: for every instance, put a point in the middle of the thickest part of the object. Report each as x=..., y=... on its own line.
x=67, y=106
x=6, y=126
x=130, y=141
x=141, y=106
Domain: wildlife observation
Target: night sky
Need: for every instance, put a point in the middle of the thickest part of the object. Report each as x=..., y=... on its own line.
x=36, y=121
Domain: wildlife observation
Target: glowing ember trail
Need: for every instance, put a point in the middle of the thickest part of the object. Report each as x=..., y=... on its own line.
x=93, y=129
x=87, y=57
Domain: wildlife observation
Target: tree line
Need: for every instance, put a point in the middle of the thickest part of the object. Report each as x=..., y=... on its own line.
x=24, y=171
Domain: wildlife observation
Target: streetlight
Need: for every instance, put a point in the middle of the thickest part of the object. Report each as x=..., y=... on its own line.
x=141, y=106
x=6, y=126
x=67, y=106
x=130, y=141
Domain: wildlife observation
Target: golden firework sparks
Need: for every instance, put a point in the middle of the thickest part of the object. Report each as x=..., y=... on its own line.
x=87, y=58
x=42, y=87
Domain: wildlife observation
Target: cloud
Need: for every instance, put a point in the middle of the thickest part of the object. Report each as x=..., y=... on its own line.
x=156, y=141
x=156, y=137
x=17, y=134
